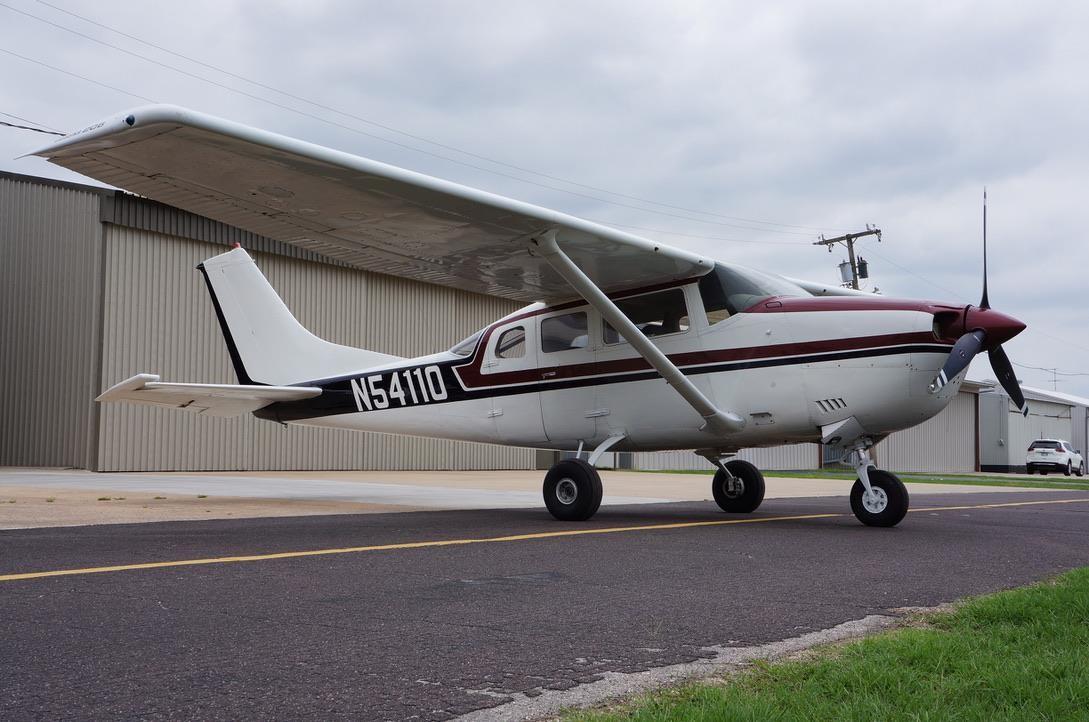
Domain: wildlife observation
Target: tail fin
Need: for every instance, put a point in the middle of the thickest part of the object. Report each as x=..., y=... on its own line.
x=266, y=343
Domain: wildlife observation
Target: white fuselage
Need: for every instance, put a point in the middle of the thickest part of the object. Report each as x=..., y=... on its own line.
x=788, y=366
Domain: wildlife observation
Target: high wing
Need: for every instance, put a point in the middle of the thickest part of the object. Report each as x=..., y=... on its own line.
x=207, y=399
x=364, y=213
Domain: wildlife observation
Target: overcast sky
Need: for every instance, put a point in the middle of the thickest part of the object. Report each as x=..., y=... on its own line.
x=801, y=117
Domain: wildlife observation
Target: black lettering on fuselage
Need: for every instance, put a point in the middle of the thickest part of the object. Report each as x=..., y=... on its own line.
x=399, y=388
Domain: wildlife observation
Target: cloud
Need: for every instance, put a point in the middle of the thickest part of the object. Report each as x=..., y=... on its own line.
x=825, y=115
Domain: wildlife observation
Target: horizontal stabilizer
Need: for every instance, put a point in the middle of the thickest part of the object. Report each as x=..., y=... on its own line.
x=207, y=399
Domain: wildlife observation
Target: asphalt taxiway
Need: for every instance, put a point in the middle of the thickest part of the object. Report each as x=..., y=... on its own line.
x=429, y=615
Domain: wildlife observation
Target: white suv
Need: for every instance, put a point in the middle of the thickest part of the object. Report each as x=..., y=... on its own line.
x=1046, y=455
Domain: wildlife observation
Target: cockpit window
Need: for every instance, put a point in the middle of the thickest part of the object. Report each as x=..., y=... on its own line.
x=466, y=347
x=730, y=289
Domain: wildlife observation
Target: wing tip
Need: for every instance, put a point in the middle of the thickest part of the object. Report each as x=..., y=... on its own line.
x=116, y=124
x=133, y=383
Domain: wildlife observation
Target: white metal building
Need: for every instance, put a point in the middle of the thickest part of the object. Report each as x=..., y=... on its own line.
x=1005, y=435
x=96, y=285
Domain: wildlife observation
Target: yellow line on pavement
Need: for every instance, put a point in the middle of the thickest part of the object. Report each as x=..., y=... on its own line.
x=999, y=506
x=481, y=540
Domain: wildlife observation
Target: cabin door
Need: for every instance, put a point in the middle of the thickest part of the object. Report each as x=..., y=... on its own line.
x=566, y=358
x=510, y=364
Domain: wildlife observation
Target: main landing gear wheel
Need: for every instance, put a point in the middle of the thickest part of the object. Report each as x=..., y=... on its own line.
x=886, y=505
x=572, y=490
x=748, y=489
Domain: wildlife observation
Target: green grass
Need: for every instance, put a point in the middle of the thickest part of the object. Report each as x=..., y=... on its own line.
x=1022, y=654
x=1061, y=482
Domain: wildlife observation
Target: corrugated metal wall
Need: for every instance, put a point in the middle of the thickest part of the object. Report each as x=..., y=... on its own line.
x=158, y=318
x=944, y=443
x=50, y=250
x=792, y=457
x=84, y=305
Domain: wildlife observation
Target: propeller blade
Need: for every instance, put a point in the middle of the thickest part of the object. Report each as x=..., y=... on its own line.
x=1000, y=364
x=964, y=350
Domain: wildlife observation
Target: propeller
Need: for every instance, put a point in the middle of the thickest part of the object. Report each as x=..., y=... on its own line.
x=984, y=329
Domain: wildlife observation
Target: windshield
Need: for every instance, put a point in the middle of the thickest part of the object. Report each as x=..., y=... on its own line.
x=464, y=348
x=1045, y=445
x=732, y=289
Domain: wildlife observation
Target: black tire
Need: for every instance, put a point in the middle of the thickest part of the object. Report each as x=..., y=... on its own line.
x=896, y=499
x=749, y=494
x=1030, y=470
x=1069, y=468
x=1080, y=471
x=572, y=490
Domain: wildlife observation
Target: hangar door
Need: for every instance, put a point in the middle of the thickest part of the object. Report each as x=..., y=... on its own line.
x=944, y=443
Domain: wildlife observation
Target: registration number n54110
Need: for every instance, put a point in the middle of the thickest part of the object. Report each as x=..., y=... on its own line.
x=399, y=388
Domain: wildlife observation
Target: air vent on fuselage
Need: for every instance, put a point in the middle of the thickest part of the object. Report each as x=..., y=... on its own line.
x=827, y=406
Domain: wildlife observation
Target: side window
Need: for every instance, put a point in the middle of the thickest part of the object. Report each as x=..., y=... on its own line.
x=512, y=343
x=655, y=314
x=563, y=333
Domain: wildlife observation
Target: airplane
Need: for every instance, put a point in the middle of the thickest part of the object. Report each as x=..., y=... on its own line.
x=627, y=344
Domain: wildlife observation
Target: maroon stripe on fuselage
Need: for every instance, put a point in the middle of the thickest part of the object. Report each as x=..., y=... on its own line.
x=471, y=376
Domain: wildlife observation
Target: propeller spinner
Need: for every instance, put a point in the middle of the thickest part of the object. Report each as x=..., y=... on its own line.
x=984, y=329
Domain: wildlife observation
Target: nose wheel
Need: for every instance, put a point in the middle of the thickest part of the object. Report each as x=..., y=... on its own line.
x=885, y=503
x=878, y=498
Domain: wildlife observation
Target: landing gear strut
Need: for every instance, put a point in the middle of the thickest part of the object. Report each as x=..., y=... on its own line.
x=878, y=498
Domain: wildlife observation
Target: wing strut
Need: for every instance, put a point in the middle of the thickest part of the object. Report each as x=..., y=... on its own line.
x=716, y=420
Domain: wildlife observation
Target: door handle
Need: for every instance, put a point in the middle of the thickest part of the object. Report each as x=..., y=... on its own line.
x=547, y=374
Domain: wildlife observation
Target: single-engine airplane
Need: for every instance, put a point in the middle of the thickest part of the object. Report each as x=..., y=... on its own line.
x=627, y=344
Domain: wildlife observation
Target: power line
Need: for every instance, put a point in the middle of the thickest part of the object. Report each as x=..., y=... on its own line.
x=391, y=129
x=75, y=75
x=421, y=138
x=27, y=127
x=1051, y=370
x=27, y=120
x=609, y=223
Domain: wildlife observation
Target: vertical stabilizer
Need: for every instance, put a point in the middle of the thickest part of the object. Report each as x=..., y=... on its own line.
x=266, y=343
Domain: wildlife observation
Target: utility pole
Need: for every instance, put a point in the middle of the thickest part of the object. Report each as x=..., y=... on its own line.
x=848, y=239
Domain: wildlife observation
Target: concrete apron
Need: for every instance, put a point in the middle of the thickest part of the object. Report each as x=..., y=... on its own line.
x=81, y=497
